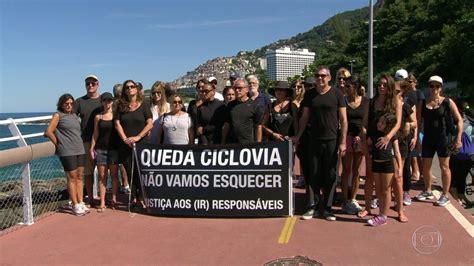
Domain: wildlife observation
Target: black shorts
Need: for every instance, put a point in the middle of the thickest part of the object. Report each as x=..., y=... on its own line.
x=383, y=167
x=431, y=145
x=71, y=163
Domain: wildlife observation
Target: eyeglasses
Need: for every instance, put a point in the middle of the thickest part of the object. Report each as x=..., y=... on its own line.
x=240, y=88
x=130, y=86
x=156, y=93
x=321, y=76
x=177, y=102
x=91, y=83
x=435, y=86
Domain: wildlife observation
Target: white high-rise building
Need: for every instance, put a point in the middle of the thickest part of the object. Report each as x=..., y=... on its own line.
x=284, y=63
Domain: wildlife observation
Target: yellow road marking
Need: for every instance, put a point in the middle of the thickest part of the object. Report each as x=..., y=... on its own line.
x=287, y=230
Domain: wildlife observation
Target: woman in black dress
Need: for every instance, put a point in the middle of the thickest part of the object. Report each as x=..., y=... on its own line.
x=284, y=113
x=133, y=121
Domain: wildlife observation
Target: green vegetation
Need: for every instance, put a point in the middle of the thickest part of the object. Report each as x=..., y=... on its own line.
x=426, y=37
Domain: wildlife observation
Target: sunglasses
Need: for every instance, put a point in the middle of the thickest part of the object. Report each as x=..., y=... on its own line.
x=177, y=102
x=91, y=83
x=322, y=76
x=131, y=87
x=156, y=93
x=435, y=86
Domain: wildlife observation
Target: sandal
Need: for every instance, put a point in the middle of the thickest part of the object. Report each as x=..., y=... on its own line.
x=363, y=213
x=113, y=205
x=402, y=218
x=101, y=209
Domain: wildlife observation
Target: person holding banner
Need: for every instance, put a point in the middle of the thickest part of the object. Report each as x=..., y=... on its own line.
x=133, y=121
x=176, y=126
x=243, y=121
x=325, y=107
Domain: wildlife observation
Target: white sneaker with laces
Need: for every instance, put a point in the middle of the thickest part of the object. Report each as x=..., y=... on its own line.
x=78, y=210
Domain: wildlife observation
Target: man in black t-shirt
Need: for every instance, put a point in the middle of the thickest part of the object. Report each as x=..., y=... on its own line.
x=87, y=107
x=210, y=116
x=243, y=120
x=325, y=108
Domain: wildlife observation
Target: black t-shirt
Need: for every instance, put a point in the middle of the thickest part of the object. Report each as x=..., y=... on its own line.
x=210, y=116
x=87, y=108
x=243, y=117
x=134, y=122
x=377, y=153
x=354, y=118
x=410, y=98
x=324, y=109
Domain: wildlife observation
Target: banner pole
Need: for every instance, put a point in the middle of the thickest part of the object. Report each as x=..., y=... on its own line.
x=291, y=193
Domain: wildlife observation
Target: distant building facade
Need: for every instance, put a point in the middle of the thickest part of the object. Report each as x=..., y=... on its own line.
x=284, y=63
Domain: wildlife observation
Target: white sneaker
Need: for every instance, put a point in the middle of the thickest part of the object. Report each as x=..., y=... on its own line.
x=84, y=207
x=78, y=210
x=374, y=204
x=356, y=205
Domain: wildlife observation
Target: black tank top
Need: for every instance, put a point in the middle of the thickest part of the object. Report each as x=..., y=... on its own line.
x=108, y=136
x=354, y=118
x=373, y=117
x=433, y=119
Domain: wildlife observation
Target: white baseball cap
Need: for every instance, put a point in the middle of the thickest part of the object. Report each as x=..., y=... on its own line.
x=92, y=77
x=436, y=78
x=401, y=74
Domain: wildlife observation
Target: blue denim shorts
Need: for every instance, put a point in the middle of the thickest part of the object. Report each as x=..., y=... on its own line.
x=104, y=157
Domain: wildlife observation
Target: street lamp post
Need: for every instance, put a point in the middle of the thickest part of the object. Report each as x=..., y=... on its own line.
x=371, y=43
x=352, y=61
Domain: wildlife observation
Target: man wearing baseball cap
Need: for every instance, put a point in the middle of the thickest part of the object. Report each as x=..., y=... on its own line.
x=87, y=107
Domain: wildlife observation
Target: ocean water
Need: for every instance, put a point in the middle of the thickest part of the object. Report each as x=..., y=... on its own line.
x=45, y=168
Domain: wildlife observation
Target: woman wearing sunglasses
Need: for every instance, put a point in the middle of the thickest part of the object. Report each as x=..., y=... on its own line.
x=64, y=131
x=437, y=114
x=176, y=127
x=133, y=121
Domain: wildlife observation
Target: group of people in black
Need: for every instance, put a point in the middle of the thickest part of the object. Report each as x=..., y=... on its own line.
x=334, y=129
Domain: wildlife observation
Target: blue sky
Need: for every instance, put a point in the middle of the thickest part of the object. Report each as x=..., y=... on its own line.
x=47, y=47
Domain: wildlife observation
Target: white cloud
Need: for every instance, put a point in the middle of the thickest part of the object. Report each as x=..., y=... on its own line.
x=212, y=23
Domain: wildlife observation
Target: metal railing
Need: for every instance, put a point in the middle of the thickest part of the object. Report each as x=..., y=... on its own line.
x=32, y=182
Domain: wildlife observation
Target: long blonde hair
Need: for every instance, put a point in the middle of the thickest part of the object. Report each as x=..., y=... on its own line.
x=298, y=97
x=162, y=106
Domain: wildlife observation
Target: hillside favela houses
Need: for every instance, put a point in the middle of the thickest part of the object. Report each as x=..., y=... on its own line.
x=283, y=63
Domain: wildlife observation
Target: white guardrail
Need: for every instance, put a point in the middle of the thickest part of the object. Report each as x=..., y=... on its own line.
x=26, y=173
x=23, y=154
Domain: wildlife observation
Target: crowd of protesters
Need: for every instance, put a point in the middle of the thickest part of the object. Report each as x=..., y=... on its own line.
x=337, y=132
